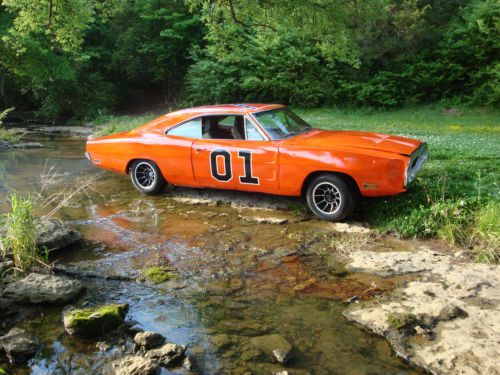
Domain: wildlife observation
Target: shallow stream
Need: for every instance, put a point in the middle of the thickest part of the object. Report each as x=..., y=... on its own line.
x=238, y=276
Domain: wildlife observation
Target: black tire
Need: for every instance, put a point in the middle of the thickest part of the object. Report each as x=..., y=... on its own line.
x=330, y=197
x=147, y=177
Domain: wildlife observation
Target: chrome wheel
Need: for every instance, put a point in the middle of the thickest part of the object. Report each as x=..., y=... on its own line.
x=327, y=198
x=144, y=175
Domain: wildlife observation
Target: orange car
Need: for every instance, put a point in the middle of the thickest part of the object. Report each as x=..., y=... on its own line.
x=261, y=148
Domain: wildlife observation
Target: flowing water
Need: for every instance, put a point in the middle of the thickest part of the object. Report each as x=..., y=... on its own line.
x=237, y=277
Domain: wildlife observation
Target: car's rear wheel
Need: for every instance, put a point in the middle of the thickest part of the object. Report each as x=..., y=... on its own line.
x=330, y=197
x=147, y=177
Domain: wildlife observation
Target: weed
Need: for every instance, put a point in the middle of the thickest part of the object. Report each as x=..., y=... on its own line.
x=401, y=320
x=20, y=233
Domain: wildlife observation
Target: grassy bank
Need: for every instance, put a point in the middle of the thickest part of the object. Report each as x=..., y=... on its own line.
x=456, y=197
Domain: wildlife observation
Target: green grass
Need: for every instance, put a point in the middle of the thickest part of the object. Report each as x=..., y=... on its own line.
x=456, y=196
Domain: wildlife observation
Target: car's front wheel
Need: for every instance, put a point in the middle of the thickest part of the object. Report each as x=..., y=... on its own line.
x=147, y=177
x=330, y=197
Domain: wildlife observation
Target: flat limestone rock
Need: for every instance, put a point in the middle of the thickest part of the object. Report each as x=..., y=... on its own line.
x=149, y=340
x=167, y=355
x=40, y=288
x=136, y=365
x=453, y=306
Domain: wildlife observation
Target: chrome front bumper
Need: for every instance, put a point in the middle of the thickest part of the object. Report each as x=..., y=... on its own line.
x=415, y=164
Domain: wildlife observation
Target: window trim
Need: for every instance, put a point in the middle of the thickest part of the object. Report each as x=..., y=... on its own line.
x=246, y=117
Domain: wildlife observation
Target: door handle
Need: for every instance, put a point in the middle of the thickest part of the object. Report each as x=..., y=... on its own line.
x=198, y=149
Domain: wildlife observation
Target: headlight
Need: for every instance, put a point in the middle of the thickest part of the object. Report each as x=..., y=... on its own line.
x=417, y=160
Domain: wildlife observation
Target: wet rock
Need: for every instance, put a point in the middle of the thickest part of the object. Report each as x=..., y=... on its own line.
x=136, y=365
x=19, y=345
x=225, y=287
x=149, y=340
x=275, y=345
x=4, y=145
x=221, y=341
x=188, y=364
x=102, y=346
x=39, y=288
x=167, y=355
x=53, y=236
x=27, y=145
x=265, y=219
x=394, y=263
x=92, y=322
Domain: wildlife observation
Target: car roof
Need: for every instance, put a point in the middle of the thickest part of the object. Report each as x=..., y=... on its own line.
x=241, y=108
x=173, y=118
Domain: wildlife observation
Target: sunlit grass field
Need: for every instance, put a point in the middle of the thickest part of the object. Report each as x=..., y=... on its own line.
x=455, y=198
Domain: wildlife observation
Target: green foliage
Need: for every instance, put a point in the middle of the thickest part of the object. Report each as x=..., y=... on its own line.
x=6, y=135
x=379, y=53
x=116, y=124
x=20, y=233
x=456, y=196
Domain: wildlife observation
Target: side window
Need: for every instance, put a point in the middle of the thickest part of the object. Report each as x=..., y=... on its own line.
x=190, y=129
x=251, y=133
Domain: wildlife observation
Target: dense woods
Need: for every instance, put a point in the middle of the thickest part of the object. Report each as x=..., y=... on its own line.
x=82, y=58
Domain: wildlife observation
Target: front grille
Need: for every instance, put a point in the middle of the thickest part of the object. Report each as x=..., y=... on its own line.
x=417, y=160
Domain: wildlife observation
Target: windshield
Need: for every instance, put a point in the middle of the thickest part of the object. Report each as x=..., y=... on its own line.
x=281, y=123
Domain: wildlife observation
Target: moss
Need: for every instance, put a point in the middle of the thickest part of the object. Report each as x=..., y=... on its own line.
x=158, y=275
x=401, y=320
x=95, y=321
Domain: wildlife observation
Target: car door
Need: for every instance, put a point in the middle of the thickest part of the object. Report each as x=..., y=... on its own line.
x=249, y=164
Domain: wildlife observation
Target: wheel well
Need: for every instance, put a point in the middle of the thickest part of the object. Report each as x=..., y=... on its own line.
x=129, y=165
x=348, y=179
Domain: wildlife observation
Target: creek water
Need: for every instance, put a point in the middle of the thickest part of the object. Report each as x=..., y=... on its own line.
x=237, y=277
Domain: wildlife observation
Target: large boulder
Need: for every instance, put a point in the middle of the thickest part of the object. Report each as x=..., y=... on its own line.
x=149, y=340
x=96, y=321
x=167, y=355
x=19, y=345
x=274, y=345
x=40, y=288
x=52, y=235
x=136, y=365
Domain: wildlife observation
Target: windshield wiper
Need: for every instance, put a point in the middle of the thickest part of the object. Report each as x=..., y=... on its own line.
x=291, y=134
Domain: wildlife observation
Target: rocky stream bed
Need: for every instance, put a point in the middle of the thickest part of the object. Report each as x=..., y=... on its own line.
x=252, y=285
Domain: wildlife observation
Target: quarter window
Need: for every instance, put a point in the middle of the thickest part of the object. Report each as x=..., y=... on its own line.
x=190, y=129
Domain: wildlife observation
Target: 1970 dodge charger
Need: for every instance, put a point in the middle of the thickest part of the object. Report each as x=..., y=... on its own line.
x=261, y=148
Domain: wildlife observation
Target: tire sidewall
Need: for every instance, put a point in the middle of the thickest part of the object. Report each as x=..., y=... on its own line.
x=158, y=184
x=346, y=197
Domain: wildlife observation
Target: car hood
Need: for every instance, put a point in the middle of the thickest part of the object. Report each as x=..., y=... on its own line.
x=354, y=139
